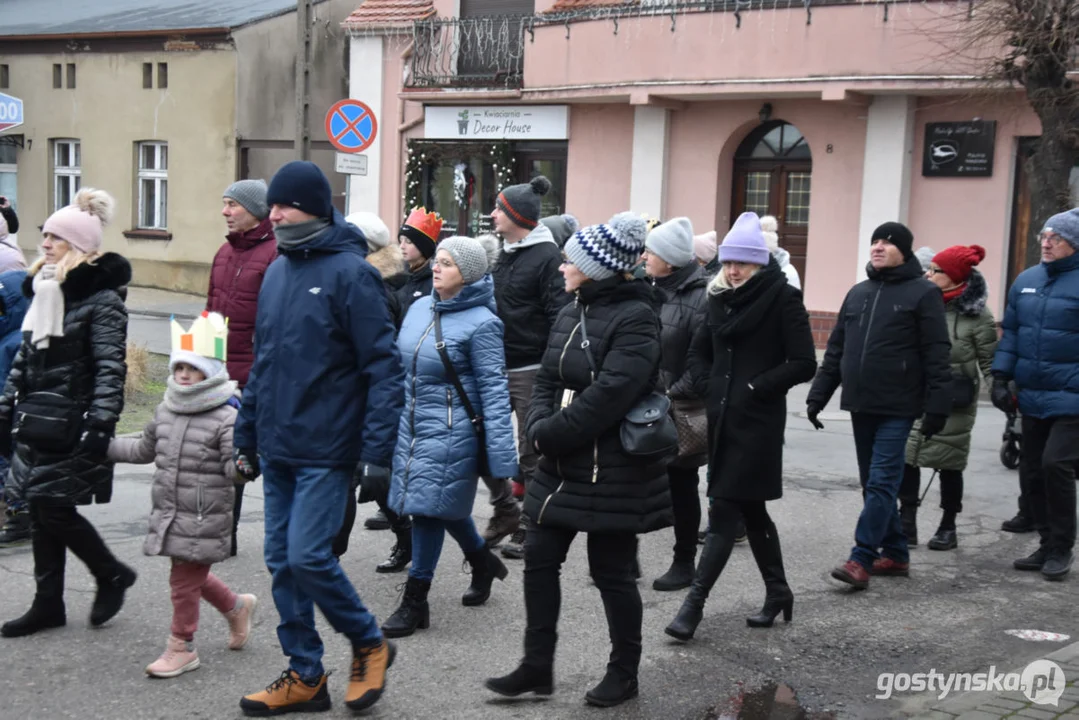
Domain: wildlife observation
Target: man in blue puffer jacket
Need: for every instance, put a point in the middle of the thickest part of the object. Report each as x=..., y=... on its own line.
x=323, y=398
x=13, y=305
x=1039, y=350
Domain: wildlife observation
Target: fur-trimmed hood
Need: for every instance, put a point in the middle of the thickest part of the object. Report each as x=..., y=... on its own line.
x=388, y=260
x=973, y=299
x=108, y=272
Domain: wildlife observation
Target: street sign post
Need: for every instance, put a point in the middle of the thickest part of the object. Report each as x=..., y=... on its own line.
x=351, y=126
x=10, y=112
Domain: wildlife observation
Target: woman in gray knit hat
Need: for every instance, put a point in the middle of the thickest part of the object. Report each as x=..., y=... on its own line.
x=456, y=425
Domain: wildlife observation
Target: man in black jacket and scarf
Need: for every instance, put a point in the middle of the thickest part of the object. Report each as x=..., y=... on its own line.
x=890, y=350
x=529, y=292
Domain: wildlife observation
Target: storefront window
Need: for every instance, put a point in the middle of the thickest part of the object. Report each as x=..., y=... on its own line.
x=461, y=189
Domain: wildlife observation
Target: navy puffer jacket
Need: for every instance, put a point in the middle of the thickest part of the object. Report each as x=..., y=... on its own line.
x=1040, y=345
x=325, y=388
x=434, y=467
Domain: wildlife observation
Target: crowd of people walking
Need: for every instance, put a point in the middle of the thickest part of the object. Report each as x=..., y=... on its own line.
x=345, y=367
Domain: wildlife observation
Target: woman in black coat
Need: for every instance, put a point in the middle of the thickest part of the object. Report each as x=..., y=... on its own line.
x=585, y=480
x=757, y=347
x=681, y=284
x=60, y=406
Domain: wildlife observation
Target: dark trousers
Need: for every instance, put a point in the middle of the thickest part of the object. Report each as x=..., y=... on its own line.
x=1047, y=477
x=687, y=511
x=520, y=385
x=54, y=530
x=611, y=559
x=951, y=488
x=726, y=515
x=397, y=522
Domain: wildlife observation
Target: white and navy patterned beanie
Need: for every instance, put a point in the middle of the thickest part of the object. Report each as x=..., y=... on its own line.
x=603, y=251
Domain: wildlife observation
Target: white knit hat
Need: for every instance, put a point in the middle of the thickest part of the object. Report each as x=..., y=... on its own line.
x=372, y=227
x=209, y=367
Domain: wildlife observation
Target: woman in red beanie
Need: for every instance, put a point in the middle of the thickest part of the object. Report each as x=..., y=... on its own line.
x=973, y=333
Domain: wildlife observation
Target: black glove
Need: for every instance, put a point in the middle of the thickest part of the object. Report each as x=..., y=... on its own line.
x=812, y=411
x=94, y=443
x=374, y=482
x=247, y=463
x=932, y=424
x=1001, y=395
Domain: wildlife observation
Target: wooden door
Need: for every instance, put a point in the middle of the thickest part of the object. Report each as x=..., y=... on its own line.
x=782, y=189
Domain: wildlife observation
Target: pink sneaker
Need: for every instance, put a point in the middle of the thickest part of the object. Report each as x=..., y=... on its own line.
x=179, y=657
x=240, y=619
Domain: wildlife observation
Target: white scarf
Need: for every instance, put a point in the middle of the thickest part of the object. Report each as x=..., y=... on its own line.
x=45, y=318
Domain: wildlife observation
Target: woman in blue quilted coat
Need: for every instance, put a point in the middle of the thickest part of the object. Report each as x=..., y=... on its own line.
x=437, y=462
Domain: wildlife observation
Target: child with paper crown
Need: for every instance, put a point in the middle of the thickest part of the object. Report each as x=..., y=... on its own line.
x=190, y=441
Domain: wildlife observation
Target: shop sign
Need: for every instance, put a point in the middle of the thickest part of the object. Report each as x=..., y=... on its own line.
x=496, y=122
x=959, y=149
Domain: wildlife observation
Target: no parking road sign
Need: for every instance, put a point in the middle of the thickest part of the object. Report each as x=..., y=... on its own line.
x=10, y=112
x=351, y=126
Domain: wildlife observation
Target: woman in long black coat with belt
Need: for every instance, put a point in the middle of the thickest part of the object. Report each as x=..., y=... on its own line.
x=586, y=481
x=757, y=346
x=60, y=406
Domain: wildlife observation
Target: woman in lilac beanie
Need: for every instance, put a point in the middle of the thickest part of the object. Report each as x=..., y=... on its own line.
x=757, y=346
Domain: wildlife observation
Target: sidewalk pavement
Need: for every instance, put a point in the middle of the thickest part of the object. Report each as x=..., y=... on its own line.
x=153, y=302
x=1015, y=704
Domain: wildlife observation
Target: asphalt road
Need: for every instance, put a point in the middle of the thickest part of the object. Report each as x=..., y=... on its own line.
x=951, y=614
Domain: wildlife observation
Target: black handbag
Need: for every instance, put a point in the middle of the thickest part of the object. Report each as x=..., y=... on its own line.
x=963, y=391
x=48, y=422
x=482, y=464
x=647, y=430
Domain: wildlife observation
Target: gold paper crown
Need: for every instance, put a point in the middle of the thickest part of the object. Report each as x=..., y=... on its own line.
x=208, y=336
x=428, y=223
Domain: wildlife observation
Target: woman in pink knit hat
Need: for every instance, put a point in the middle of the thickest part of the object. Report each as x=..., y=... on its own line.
x=60, y=407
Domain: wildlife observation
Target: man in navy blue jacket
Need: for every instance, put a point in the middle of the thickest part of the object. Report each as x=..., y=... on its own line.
x=323, y=399
x=1039, y=350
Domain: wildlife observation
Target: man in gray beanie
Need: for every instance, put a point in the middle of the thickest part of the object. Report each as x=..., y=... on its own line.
x=1038, y=351
x=235, y=281
x=529, y=292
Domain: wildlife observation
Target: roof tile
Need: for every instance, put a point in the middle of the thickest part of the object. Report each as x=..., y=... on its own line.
x=389, y=13
x=568, y=5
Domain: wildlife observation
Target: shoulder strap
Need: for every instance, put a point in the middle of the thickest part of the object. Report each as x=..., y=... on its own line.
x=451, y=373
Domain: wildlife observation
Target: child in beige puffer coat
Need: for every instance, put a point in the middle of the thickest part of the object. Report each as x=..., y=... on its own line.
x=190, y=441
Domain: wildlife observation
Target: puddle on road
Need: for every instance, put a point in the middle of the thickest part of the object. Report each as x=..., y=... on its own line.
x=774, y=701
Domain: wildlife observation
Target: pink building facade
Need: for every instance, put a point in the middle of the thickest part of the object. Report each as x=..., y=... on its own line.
x=823, y=117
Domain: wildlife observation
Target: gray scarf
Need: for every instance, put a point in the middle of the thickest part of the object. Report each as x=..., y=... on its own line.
x=290, y=237
x=198, y=398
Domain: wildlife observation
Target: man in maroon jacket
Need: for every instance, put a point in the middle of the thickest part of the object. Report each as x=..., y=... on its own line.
x=235, y=281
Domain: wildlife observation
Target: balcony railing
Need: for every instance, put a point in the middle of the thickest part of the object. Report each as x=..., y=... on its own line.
x=474, y=52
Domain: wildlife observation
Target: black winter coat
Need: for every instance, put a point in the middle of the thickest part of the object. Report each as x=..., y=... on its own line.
x=529, y=292
x=682, y=314
x=408, y=289
x=757, y=347
x=88, y=365
x=889, y=348
x=585, y=481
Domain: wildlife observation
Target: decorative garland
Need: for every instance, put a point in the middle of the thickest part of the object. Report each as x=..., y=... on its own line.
x=422, y=153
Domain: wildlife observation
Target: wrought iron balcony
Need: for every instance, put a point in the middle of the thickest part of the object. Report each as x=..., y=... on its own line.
x=475, y=52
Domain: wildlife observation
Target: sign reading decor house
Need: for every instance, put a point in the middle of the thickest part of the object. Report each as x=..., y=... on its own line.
x=502, y=122
x=959, y=149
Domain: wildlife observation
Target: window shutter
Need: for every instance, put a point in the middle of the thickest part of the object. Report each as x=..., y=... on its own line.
x=482, y=8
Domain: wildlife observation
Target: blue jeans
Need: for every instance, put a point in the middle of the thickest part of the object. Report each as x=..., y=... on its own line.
x=304, y=511
x=881, y=444
x=427, y=536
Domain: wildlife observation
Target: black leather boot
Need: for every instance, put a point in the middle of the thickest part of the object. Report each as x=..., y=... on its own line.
x=714, y=556
x=110, y=594
x=613, y=689
x=47, y=610
x=412, y=613
x=401, y=554
x=678, y=576
x=778, y=596
x=526, y=678
x=485, y=568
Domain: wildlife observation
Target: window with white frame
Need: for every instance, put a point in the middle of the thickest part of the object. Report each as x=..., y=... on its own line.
x=153, y=160
x=66, y=172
